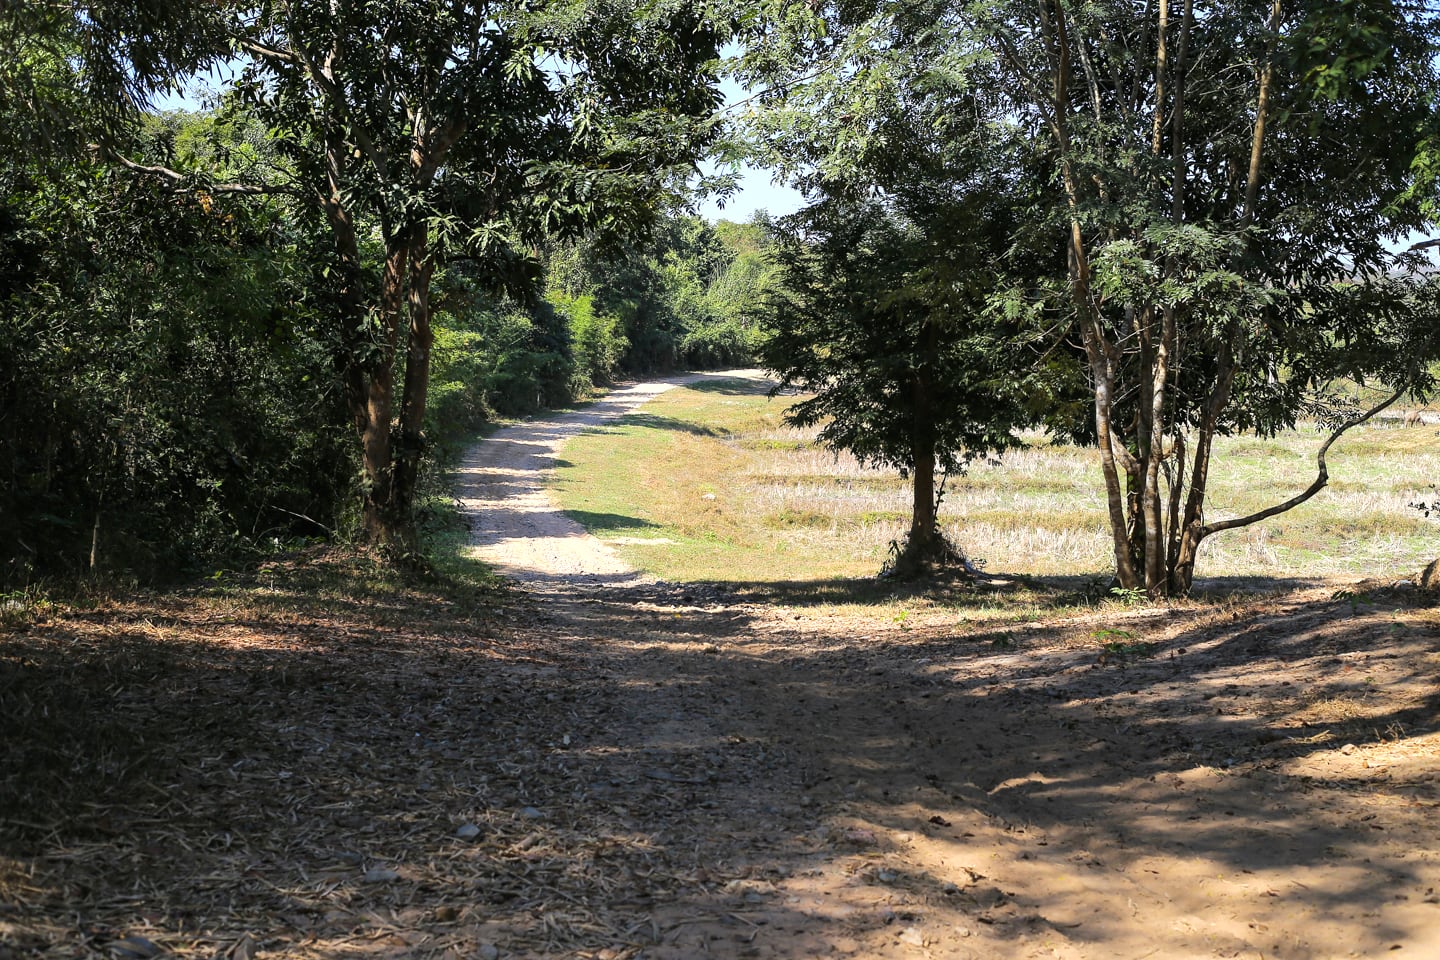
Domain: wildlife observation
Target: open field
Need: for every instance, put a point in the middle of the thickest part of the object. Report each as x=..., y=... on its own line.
x=707, y=484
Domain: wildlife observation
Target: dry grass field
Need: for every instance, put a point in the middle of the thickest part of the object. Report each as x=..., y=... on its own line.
x=709, y=484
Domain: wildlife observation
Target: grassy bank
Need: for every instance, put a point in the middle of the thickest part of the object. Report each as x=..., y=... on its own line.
x=707, y=483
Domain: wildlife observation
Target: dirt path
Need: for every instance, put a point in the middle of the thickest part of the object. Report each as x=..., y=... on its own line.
x=317, y=763
x=516, y=525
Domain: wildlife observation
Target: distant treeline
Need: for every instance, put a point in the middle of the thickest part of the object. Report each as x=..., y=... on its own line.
x=169, y=388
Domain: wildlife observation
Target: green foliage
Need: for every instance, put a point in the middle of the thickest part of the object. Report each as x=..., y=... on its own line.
x=166, y=400
x=874, y=321
x=597, y=341
x=687, y=298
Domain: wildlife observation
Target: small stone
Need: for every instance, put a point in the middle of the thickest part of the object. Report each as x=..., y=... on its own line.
x=380, y=875
x=488, y=951
x=531, y=813
x=135, y=947
x=468, y=832
x=1348, y=749
x=912, y=936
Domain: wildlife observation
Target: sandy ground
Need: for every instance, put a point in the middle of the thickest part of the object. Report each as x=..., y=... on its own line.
x=605, y=768
x=1195, y=796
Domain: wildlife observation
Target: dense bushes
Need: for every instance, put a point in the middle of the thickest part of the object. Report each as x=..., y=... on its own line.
x=685, y=299
x=163, y=398
x=168, y=391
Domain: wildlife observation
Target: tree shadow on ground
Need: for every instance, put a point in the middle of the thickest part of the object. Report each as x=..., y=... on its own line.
x=608, y=521
x=648, y=774
x=964, y=591
x=732, y=387
x=658, y=422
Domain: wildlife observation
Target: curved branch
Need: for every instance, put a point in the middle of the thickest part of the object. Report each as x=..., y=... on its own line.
x=269, y=53
x=1322, y=477
x=179, y=180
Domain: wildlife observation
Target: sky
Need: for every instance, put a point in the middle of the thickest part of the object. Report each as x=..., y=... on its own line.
x=757, y=190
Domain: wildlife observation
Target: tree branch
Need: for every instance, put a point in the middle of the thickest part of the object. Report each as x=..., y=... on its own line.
x=1321, y=479
x=259, y=50
x=179, y=180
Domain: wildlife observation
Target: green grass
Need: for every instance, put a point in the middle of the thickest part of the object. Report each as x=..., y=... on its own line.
x=704, y=485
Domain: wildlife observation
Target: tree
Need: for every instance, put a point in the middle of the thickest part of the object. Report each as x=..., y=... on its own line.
x=884, y=321
x=426, y=131
x=1231, y=173
x=916, y=219
x=164, y=393
x=72, y=73
x=1224, y=184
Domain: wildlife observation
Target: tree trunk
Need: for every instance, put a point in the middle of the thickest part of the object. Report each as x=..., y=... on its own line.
x=382, y=523
x=924, y=533
x=1057, y=39
x=924, y=545
x=410, y=447
x=1181, y=576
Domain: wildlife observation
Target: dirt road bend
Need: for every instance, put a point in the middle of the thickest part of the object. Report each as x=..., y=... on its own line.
x=516, y=526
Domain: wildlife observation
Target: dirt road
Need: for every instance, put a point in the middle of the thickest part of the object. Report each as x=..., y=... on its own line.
x=516, y=526
x=318, y=760
x=867, y=790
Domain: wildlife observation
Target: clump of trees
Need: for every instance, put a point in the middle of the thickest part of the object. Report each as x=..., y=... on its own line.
x=1226, y=189
x=197, y=308
x=1142, y=224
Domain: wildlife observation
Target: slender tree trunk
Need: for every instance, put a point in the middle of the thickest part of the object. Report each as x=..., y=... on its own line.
x=1057, y=39
x=922, y=546
x=411, y=443
x=1103, y=386
x=1182, y=575
x=1151, y=504
x=1172, y=527
x=381, y=522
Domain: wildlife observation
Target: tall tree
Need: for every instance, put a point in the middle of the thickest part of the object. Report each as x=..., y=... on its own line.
x=1225, y=183
x=424, y=130
x=1235, y=177
x=915, y=220
x=884, y=321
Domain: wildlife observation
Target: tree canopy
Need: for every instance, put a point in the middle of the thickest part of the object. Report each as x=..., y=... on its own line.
x=1226, y=187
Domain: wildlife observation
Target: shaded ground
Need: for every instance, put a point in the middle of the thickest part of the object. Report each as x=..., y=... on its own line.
x=322, y=764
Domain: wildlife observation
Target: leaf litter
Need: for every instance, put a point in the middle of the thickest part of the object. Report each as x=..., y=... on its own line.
x=388, y=771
